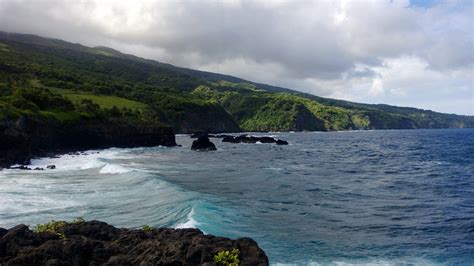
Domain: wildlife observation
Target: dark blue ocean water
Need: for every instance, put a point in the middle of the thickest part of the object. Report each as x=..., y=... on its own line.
x=336, y=198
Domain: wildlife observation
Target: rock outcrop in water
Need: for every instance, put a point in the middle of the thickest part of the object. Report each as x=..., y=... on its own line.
x=23, y=139
x=251, y=139
x=97, y=243
x=241, y=139
x=203, y=144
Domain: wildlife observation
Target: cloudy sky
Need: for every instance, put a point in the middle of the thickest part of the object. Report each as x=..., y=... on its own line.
x=408, y=53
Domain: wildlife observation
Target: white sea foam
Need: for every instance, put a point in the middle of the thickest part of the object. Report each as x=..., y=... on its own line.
x=110, y=168
x=274, y=168
x=87, y=160
x=190, y=223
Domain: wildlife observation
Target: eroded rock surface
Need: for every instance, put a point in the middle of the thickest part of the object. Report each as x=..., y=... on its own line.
x=97, y=243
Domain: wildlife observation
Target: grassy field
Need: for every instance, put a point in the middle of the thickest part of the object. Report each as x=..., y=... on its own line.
x=4, y=47
x=62, y=115
x=105, y=101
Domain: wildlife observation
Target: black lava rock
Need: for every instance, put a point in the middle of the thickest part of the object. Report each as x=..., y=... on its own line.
x=221, y=136
x=97, y=243
x=267, y=140
x=281, y=142
x=252, y=139
x=230, y=139
x=203, y=144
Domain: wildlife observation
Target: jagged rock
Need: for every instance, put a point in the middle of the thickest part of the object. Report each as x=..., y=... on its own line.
x=203, y=144
x=230, y=139
x=267, y=140
x=247, y=139
x=221, y=136
x=39, y=169
x=51, y=166
x=21, y=167
x=97, y=243
x=252, y=139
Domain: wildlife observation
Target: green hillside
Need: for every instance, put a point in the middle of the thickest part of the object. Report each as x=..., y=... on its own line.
x=102, y=82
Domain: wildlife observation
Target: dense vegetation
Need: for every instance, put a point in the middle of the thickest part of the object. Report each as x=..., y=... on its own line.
x=43, y=104
x=53, y=79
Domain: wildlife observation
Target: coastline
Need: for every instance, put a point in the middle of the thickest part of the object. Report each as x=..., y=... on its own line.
x=21, y=153
x=24, y=139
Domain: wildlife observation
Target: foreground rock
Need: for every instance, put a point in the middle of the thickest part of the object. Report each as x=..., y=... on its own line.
x=97, y=243
x=203, y=144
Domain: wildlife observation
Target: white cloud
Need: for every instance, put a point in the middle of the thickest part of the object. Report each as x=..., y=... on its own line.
x=377, y=87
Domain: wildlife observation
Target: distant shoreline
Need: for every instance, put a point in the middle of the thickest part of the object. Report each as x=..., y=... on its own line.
x=24, y=158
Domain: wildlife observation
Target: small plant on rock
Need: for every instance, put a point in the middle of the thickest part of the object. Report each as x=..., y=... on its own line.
x=52, y=227
x=147, y=228
x=62, y=235
x=227, y=257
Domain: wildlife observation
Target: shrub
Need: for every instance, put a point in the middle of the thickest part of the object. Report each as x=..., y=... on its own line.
x=87, y=106
x=52, y=227
x=227, y=257
x=36, y=98
x=147, y=228
x=114, y=111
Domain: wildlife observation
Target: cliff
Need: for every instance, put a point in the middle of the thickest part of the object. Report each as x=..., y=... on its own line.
x=24, y=138
x=97, y=243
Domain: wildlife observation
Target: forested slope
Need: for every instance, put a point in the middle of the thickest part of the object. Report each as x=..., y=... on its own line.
x=103, y=83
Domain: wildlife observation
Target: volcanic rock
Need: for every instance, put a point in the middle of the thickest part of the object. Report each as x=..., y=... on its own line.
x=97, y=243
x=281, y=142
x=203, y=144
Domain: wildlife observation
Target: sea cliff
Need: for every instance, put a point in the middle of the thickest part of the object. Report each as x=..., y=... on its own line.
x=24, y=138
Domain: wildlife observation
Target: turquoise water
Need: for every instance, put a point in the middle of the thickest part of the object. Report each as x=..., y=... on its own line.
x=332, y=198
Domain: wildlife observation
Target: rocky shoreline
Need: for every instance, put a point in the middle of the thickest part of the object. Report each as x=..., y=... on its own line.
x=24, y=139
x=97, y=243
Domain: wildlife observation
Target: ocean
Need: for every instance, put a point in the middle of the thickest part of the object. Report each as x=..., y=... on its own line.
x=394, y=197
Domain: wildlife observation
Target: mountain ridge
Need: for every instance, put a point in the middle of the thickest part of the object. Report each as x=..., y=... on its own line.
x=188, y=99
x=221, y=76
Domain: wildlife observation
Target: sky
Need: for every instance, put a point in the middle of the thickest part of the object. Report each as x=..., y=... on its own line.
x=407, y=53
